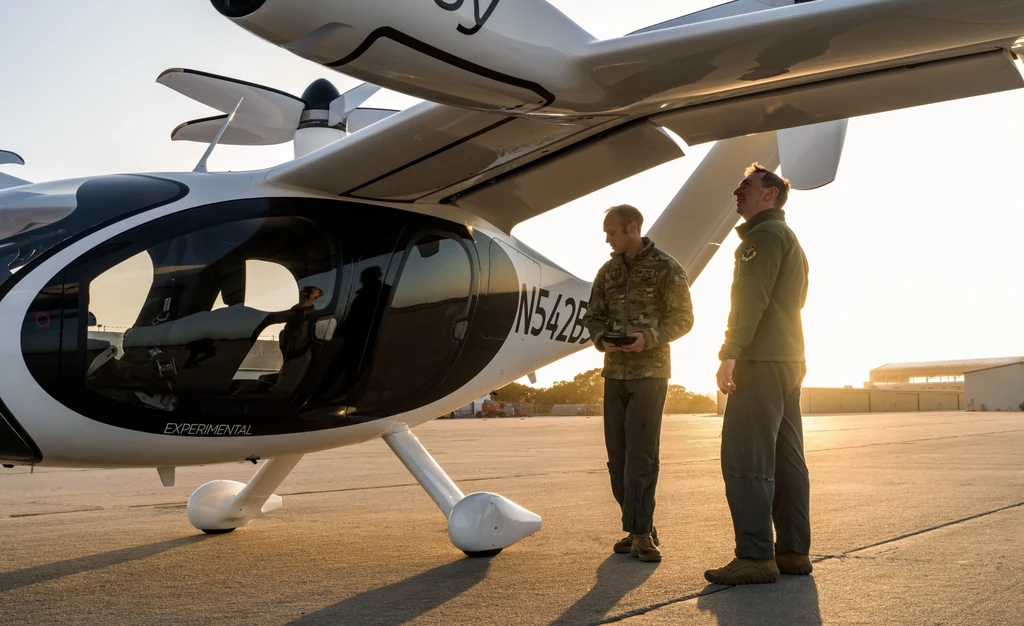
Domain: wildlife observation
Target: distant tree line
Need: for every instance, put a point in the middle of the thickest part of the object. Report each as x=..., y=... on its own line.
x=588, y=388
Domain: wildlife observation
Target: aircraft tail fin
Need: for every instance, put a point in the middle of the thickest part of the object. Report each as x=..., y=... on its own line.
x=700, y=216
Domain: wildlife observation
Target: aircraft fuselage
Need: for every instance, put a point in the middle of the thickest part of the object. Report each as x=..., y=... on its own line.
x=201, y=318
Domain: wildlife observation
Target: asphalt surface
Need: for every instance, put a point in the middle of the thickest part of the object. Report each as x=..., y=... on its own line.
x=917, y=519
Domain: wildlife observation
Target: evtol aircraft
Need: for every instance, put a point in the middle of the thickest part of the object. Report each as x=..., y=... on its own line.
x=371, y=284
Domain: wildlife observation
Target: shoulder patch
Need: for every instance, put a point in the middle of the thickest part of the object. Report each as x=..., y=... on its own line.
x=615, y=274
x=748, y=253
x=645, y=273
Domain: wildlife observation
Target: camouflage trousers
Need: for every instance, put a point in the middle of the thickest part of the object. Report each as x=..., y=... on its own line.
x=763, y=464
x=632, y=435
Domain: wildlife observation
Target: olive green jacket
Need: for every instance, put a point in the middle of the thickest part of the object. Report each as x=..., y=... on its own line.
x=769, y=289
x=648, y=294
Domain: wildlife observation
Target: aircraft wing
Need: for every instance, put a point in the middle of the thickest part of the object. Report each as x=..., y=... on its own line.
x=609, y=104
x=509, y=168
x=433, y=152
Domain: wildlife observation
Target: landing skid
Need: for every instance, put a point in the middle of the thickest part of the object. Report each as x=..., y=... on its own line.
x=224, y=505
x=481, y=524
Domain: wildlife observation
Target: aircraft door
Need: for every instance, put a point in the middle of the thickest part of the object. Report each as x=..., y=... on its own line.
x=430, y=296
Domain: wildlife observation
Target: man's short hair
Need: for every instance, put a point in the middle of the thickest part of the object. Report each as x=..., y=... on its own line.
x=627, y=213
x=308, y=291
x=771, y=179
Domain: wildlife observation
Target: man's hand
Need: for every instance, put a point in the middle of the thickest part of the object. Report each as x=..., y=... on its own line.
x=608, y=347
x=637, y=345
x=725, y=381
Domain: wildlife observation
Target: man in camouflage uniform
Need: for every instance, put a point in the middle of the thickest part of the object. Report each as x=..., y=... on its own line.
x=762, y=371
x=641, y=292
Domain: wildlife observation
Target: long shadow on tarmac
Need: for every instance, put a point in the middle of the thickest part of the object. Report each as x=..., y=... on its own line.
x=793, y=601
x=616, y=577
x=51, y=571
x=402, y=601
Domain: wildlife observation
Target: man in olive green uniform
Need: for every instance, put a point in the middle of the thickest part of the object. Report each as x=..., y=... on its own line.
x=640, y=292
x=762, y=371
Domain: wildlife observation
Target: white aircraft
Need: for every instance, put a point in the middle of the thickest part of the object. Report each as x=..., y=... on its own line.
x=381, y=260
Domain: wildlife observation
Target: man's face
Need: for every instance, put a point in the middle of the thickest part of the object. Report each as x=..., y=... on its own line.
x=752, y=197
x=617, y=234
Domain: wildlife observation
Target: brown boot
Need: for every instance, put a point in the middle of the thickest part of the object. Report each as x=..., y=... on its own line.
x=625, y=545
x=644, y=549
x=744, y=572
x=794, y=563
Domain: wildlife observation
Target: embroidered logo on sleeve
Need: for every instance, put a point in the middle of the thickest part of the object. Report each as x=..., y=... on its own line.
x=748, y=253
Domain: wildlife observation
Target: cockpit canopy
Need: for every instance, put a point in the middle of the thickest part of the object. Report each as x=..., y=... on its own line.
x=34, y=219
x=266, y=316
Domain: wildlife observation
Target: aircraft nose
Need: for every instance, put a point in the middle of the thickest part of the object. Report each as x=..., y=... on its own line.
x=13, y=446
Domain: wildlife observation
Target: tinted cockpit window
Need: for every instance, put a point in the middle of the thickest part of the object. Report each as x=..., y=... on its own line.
x=234, y=316
x=35, y=219
x=427, y=321
x=225, y=312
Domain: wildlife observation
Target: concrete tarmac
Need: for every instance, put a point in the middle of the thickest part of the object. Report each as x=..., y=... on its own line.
x=918, y=518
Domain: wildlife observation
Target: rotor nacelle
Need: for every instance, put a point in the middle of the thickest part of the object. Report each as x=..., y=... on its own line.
x=268, y=116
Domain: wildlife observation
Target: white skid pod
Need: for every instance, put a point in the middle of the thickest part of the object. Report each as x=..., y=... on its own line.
x=480, y=524
x=224, y=505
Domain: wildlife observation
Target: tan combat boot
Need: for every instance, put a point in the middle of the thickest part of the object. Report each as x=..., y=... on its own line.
x=625, y=545
x=644, y=549
x=794, y=563
x=744, y=572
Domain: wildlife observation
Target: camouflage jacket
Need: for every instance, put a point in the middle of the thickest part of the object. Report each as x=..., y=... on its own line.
x=769, y=289
x=648, y=294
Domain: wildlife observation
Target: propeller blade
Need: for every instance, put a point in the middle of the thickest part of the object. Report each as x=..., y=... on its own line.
x=6, y=181
x=361, y=118
x=239, y=133
x=10, y=157
x=349, y=101
x=261, y=105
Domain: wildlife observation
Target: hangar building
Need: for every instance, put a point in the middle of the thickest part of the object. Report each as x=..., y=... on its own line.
x=931, y=375
x=998, y=388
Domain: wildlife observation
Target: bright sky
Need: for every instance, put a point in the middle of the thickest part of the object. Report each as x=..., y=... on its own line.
x=914, y=249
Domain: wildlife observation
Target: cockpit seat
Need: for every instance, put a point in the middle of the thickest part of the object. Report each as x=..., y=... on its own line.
x=200, y=352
